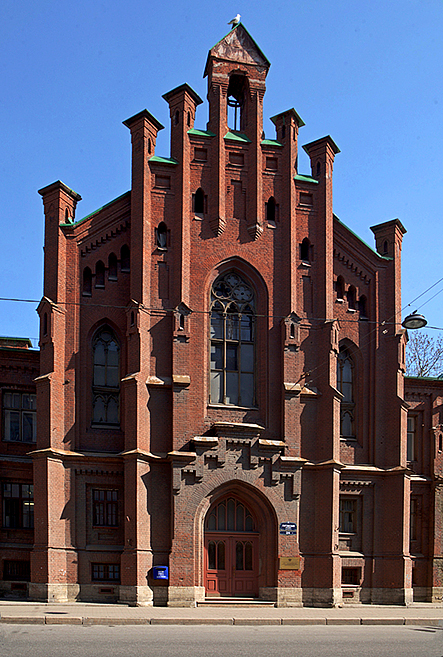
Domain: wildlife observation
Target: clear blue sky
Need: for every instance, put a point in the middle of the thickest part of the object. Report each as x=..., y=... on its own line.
x=368, y=73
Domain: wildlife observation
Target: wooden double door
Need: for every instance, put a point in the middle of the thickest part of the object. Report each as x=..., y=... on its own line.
x=231, y=564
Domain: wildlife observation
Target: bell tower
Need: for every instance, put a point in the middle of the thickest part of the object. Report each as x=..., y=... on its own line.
x=236, y=70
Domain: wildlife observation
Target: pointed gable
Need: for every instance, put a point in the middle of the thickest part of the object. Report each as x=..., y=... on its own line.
x=238, y=46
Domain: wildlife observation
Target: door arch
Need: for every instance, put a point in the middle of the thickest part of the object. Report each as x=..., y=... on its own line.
x=231, y=549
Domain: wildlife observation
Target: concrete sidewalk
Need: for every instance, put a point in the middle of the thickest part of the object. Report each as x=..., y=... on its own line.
x=78, y=613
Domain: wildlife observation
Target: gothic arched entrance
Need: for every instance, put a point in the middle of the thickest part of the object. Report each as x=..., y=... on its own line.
x=231, y=549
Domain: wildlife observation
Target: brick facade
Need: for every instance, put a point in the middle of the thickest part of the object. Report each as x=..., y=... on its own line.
x=217, y=339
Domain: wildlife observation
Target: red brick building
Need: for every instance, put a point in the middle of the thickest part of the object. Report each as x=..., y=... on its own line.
x=221, y=385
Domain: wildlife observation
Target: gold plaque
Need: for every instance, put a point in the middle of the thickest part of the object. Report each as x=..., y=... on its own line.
x=289, y=563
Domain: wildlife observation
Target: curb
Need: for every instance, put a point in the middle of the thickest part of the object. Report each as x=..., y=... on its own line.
x=90, y=620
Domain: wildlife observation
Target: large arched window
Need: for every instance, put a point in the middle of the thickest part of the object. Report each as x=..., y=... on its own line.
x=345, y=384
x=106, y=378
x=232, y=339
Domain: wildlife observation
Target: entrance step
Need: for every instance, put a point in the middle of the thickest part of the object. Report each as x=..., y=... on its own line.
x=235, y=602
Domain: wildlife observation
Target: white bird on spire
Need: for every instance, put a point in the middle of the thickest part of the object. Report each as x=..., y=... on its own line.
x=235, y=21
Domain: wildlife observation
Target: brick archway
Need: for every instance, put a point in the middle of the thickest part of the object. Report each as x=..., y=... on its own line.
x=239, y=543
x=231, y=550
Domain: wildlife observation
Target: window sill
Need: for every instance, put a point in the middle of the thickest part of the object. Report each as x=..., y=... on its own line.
x=101, y=527
x=232, y=407
x=19, y=442
x=348, y=439
x=108, y=427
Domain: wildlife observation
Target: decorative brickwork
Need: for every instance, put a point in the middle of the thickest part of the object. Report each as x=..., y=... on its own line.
x=216, y=338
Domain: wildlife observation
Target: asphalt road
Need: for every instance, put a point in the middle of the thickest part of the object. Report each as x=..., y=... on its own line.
x=219, y=641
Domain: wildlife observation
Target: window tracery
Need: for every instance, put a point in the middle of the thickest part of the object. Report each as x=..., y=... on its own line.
x=232, y=341
x=106, y=378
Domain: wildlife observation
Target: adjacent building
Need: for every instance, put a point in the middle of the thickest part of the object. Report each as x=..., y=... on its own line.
x=221, y=401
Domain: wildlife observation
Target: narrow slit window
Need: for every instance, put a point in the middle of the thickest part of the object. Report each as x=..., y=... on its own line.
x=112, y=267
x=199, y=202
x=305, y=250
x=162, y=235
x=271, y=211
x=100, y=274
x=125, y=258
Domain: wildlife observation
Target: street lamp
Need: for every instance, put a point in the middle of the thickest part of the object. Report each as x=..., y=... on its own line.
x=414, y=321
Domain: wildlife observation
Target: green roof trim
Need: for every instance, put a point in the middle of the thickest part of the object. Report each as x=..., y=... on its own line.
x=19, y=345
x=424, y=378
x=7, y=338
x=74, y=225
x=201, y=133
x=237, y=136
x=308, y=179
x=323, y=140
x=361, y=240
x=271, y=142
x=163, y=160
x=58, y=184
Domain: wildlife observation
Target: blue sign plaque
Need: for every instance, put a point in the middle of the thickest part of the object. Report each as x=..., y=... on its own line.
x=288, y=528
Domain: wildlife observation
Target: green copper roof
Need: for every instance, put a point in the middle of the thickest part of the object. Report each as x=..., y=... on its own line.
x=163, y=160
x=271, y=142
x=201, y=133
x=237, y=136
x=7, y=338
x=328, y=139
x=309, y=179
x=424, y=378
x=95, y=212
x=361, y=240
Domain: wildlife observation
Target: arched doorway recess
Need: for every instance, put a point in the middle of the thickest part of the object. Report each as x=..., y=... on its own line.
x=231, y=555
